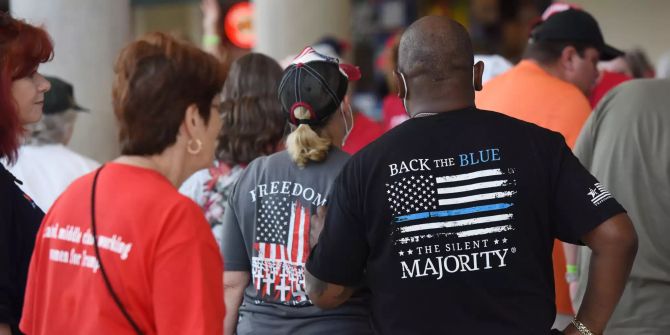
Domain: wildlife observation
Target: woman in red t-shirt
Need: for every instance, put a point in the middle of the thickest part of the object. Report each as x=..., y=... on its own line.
x=121, y=251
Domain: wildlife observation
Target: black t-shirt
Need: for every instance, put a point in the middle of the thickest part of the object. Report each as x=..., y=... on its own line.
x=452, y=217
x=20, y=219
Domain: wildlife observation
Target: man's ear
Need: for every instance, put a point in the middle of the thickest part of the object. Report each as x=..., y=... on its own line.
x=346, y=99
x=567, y=59
x=477, y=75
x=400, y=83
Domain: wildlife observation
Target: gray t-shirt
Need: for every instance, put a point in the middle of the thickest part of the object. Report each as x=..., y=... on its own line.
x=624, y=144
x=266, y=232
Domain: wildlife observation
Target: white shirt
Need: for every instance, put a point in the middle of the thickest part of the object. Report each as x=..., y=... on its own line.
x=494, y=65
x=47, y=170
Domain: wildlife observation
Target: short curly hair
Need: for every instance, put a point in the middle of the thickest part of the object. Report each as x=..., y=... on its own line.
x=157, y=78
x=253, y=121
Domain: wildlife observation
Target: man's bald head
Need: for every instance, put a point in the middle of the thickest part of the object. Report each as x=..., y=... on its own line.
x=436, y=47
x=435, y=64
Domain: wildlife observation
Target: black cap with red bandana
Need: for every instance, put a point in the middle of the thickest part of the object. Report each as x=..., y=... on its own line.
x=317, y=83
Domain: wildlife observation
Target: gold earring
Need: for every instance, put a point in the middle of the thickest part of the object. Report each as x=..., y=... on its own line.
x=198, y=145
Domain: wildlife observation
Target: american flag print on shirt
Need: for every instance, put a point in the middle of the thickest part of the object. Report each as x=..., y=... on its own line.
x=426, y=206
x=280, y=249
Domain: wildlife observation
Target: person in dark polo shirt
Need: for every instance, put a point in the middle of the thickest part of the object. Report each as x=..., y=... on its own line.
x=22, y=49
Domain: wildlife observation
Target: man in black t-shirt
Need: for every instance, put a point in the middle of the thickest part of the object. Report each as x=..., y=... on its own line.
x=451, y=216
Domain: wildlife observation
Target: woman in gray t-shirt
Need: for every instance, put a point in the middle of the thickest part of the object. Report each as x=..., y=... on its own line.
x=267, y=231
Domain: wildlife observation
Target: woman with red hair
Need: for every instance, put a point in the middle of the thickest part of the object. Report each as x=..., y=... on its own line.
x=22, y=48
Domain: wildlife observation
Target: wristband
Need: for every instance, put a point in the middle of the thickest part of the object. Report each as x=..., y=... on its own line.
x=210, y=40
x=571, y=273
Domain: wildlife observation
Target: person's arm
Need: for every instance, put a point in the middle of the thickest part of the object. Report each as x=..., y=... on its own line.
x=585, y=212
x=583, y=150
x=323, y=294
x=234, y=283
x=571, y=253
x=316, y=226
x=614, y=245
x=331, y=271
x=326, y=295
x=5, y=329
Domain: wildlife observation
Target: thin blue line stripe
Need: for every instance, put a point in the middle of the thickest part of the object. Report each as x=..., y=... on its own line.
x=452, y=212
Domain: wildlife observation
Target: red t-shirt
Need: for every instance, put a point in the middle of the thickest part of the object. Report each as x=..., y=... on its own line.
x=364, y=132
x=157, y=250
x=393, y=112
x=608, y=81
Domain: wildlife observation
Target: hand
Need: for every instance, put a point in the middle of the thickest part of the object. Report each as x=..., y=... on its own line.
x=5, y=329
x=211, y=11
x=316, y=225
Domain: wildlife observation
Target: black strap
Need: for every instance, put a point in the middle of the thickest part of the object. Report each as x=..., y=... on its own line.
x=97, y=255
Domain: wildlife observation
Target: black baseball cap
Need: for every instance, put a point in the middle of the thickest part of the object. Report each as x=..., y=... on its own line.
x=316, y=82
x=576, y=26
x=60, y=97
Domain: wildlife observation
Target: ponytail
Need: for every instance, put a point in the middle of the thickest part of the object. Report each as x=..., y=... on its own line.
x=304, y=144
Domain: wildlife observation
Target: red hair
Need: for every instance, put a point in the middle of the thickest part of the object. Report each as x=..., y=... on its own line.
x=22, y=48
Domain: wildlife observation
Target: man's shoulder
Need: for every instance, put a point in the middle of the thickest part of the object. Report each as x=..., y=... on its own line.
x=86, y=164
x=397, y=137
x=530, y=79
x=492, y=115
x=60, y=155
x=513, y=125
x=643, y=88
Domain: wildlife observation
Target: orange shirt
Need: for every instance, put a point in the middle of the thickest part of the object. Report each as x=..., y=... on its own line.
x=529, y=93
x=157, y=250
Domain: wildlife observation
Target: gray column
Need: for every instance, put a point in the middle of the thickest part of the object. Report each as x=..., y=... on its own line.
x=284, y=27
x=87, y=35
